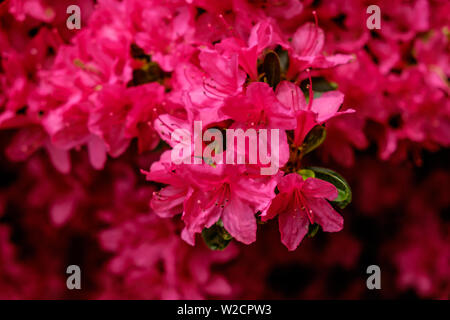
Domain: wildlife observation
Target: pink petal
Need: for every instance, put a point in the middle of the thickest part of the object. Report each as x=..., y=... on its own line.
x=308, y=40
x=293, y=228
x=306, y=120
x=97, y=152
x=61, y=210
x=25, y=142
x=278, y=205
x=239, y=220
x=327, y=105
x=197, y=214
x=224, y=71
x=263, y=97
x=290, y=95
x=317, y=188
x=331, y=61
x=248, y=58
x=325, y=215
x=60, y=158
x=169, y=201
x=289, y=182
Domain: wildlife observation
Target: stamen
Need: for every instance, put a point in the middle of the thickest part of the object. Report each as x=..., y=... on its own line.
x=220, y=197
x=315, y=18
x=311, y=36
x=311, y=93
x=213, y=95
x=295, y=103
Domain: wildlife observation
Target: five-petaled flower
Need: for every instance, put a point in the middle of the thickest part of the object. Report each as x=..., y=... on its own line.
x=301, y=203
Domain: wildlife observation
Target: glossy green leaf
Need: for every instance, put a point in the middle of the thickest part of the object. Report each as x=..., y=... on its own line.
x=216, y=237
x=344, y=191
x=313, y=139
x=306, y=173
x=319, y=84
x=313, y=229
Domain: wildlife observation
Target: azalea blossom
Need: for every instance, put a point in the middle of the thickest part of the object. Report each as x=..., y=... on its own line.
x=301, y=203
x=310, y=114
x=204, y=194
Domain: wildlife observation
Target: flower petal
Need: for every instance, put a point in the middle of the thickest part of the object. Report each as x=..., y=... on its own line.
x=239, y=220
x=327, y=105
x=308, y=40
x=316, y=188
x=293, y=228
x=325, y=215
x=278, y=205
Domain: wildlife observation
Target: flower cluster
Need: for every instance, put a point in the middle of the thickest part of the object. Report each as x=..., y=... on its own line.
x=121, y=79
x=398, y=83
x=90, y=121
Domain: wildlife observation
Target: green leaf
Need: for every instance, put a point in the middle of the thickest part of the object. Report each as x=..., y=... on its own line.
x=272, y=68
x=313, y=139
x=313, y=229
x=216, y=237
x=319, y=84
x=306, y=173
x=344, y=192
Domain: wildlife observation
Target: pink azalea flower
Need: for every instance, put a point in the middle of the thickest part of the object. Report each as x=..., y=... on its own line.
x=212, y=193
x=224, y=78
x=192, y=94
x=345, y=25
x=202, y=91
x=317, y=111
x=432, y=54
x=306, y=51
x=123, y=113
x=151, y=262
x=29, y=139
x=168, y=202
x=37, y=9
x=19, y=82
x=300, y=203
x=411, y=116
x=263, y=36
x=67, y=126
x=259, y=108
x=403, y=20
x=165, y=32
x=226, y=193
